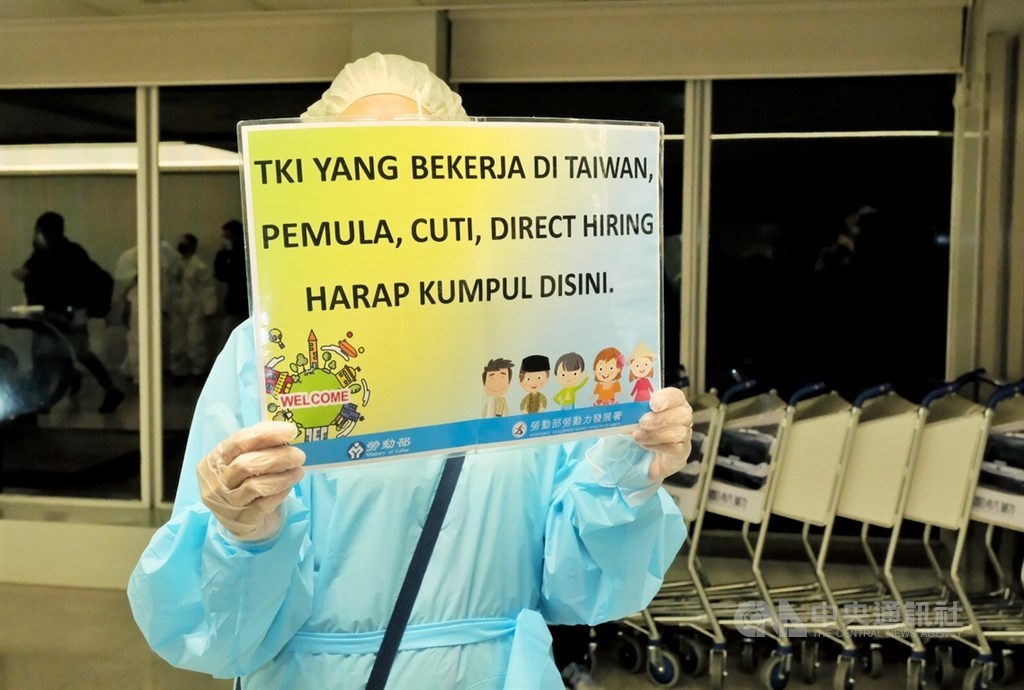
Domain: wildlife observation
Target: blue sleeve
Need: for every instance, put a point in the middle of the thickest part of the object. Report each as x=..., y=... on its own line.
x=203, y=600
x=611, y=533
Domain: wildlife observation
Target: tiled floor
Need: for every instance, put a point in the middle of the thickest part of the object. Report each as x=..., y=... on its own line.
x=57, y=639
x=79, y=639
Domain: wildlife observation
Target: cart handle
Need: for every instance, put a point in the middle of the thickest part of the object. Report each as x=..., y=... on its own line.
x=806, y=392
x=1003, y=393
x=940, y=392
x=973, y=376
x=968, y=377
x=873, y=392
x=733, y=391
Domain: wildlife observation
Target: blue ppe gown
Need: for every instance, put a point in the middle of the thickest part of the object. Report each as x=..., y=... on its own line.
x=567, y=533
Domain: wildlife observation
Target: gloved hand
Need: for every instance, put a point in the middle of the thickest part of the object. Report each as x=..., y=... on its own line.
x=248, y=475
x=666, y=430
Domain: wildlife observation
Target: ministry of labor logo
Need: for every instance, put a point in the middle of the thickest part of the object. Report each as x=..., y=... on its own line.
x=356, y=450
x=519, y=430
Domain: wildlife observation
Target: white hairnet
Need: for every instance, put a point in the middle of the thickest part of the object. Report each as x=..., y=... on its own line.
x=388, y=74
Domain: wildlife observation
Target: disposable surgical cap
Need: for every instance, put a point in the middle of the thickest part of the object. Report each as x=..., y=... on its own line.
x=388, y=74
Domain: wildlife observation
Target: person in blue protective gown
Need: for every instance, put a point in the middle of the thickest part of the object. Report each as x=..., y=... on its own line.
x=287, y=580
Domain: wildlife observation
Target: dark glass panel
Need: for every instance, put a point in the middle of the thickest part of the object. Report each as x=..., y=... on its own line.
x=834, y=104
x=829, y=260
x=644, y=101
x=63, y=116
x=208, y=114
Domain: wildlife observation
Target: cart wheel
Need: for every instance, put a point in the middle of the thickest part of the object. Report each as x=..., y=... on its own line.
x=978, y=676
x=843, y=678
x=944, y=667
x=775, y=672
x=630, y=653
x=809, y=661
x=872, y=662
x=1004, y=671
x=915, y=674
x=748, y=656
x=667, y=673
x=716, y=670
x=694, y=656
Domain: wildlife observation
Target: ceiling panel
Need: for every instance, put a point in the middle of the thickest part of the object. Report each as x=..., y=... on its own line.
x=71, y=9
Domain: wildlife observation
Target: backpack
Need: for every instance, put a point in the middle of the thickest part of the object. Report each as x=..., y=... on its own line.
x=98, y=289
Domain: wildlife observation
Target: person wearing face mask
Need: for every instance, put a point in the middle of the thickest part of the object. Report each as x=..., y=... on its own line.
x=56, y=277
x=288, y=580
x=194, y=301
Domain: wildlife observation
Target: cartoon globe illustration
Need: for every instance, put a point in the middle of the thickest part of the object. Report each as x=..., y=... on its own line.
x=317, y=380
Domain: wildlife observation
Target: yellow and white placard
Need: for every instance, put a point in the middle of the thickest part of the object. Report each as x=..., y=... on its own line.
x=425, y=287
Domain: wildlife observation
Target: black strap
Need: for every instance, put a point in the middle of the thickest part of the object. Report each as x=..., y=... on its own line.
x=414, y=575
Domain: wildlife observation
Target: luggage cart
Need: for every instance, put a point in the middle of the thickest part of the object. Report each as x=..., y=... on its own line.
x=877, y=481
x=942, y=494
x=811, y=465
x=998, y=504
x=763, y=434
x=688, y=488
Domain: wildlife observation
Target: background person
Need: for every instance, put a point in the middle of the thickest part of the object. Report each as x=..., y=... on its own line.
x=194, y=300
x=126, y=274
x=57, y=276
x=229, y=267
x=288, y=579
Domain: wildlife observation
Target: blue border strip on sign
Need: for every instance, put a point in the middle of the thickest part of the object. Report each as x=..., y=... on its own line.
x=471, y=433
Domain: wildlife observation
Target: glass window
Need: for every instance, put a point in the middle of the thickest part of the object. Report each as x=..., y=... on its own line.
x=637, y=101
x=922, y=103
x=653, y=101
x=207, y=115
x=829, y=255
x=70, y=420
x=204, y=279
x=672, y=257
x=67, y=116
x=199, y=195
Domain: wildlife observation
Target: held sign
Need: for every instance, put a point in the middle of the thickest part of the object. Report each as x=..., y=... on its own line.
x=425, y=287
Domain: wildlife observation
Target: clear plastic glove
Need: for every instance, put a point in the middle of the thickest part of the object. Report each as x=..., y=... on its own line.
x=666, y=430
x=248, y=475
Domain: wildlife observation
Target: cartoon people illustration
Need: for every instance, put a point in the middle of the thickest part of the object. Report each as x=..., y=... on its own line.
x=607, y=372
x=533, y=376
x=569, y=372
x=497, y=378
x=641, y=368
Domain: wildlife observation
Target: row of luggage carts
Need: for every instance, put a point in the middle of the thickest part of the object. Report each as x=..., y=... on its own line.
x=881, y=463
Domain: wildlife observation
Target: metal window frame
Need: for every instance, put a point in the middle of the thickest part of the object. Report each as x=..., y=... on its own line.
x=139, y=510
x=696, y=204
x=148, y=243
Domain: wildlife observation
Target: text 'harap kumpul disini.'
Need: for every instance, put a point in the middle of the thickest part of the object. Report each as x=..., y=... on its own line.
x=455, y=291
